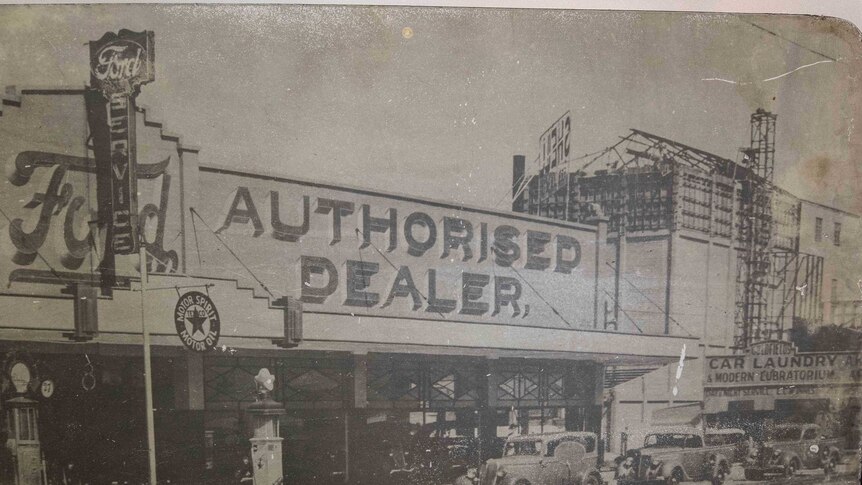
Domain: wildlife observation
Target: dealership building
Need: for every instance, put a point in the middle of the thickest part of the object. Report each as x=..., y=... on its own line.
x=654, y=289
x=418, y=316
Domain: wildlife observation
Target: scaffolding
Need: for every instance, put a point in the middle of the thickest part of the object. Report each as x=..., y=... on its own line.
x=753, y=268
x=646, y=182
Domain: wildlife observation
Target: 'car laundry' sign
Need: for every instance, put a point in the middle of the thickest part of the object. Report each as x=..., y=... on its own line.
x=774, y=370
x=778, y=363
x=362, y=253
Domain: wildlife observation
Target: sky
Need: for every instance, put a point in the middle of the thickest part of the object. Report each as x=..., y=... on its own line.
x=433, y=102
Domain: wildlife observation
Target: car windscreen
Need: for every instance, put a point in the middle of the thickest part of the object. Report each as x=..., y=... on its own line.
x=715, y=439
x=784, y=434
x=665, y=441
x=514, y=448
x=588, y=442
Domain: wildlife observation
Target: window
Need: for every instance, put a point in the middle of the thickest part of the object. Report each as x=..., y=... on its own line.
x=25, y=421
x=514, y=448
x=810, y=434
x=785, y=434
x=714, y=439
x=693, y=442
x=588, y=442
x=818, y=229
x=836, y=239
x=665, y=441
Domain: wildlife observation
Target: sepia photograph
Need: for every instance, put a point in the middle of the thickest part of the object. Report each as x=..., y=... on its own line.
x=415, y=245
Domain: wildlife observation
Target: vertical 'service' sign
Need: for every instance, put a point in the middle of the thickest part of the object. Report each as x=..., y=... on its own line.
x=119, y=64
x=554, y=143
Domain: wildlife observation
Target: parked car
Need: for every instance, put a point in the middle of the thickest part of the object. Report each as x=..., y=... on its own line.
x=785, y=449
x=675, y=455
x=731, y=437
x=568, y=458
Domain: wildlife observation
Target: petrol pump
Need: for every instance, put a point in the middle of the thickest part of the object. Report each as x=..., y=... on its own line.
x=266, y=457
x=23, y=431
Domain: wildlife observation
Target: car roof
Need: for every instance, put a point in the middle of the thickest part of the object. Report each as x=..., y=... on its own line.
x=550, y=436
x=675, y=430
x=724, y=431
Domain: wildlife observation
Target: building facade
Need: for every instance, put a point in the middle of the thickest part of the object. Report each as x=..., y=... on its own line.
x=708, y=248
x=421, y=318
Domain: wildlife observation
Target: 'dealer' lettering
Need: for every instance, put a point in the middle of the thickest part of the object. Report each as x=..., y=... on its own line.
x=320, y=281
x=359, y=283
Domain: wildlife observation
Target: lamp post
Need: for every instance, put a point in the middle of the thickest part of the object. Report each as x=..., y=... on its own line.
x=148, y=369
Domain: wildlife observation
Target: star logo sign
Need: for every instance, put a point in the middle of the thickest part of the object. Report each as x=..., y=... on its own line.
x=197, y=318
x=197, y=321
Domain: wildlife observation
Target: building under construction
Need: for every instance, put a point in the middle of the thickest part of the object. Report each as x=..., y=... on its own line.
x=706, y=247
x=669, y=199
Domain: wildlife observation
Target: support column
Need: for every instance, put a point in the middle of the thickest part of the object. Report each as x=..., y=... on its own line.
x=643, y=399
x=599, y=289
x=488, y=408
x=189, y=382
x=594, y=418
x=355, y=417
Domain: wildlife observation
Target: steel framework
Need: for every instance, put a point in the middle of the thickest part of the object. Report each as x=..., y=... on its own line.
x=648, y=182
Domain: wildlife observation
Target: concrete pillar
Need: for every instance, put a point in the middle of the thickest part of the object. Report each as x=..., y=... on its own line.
x=487, y=413
x=488, y=407
x=189, y=381
x=360, y=381
x=355, y=413
x=594, y=418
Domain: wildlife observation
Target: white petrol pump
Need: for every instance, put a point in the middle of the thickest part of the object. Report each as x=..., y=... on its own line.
x=22, y=417
x=266, y=459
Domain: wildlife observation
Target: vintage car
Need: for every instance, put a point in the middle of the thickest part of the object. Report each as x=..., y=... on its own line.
x=568, y=458
x=731, y=437
x=787, y=448
x=675, y=455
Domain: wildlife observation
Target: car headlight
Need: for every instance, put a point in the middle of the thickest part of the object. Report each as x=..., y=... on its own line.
x=814, y=448
x=501, y=473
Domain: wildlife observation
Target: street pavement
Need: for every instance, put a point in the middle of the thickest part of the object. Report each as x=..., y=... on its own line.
x=847, y=473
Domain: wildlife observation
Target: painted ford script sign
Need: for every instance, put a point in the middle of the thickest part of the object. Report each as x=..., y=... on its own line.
x=120, y=63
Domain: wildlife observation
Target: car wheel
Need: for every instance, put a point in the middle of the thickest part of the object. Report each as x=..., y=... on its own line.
x=592, y=480
x=753, y=475
x=675, y=477
x=720, y=475
x=790, y=468
x=522, y=482
x=829, y=466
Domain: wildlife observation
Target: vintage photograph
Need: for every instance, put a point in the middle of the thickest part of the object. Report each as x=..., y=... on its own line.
x=381, y=245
